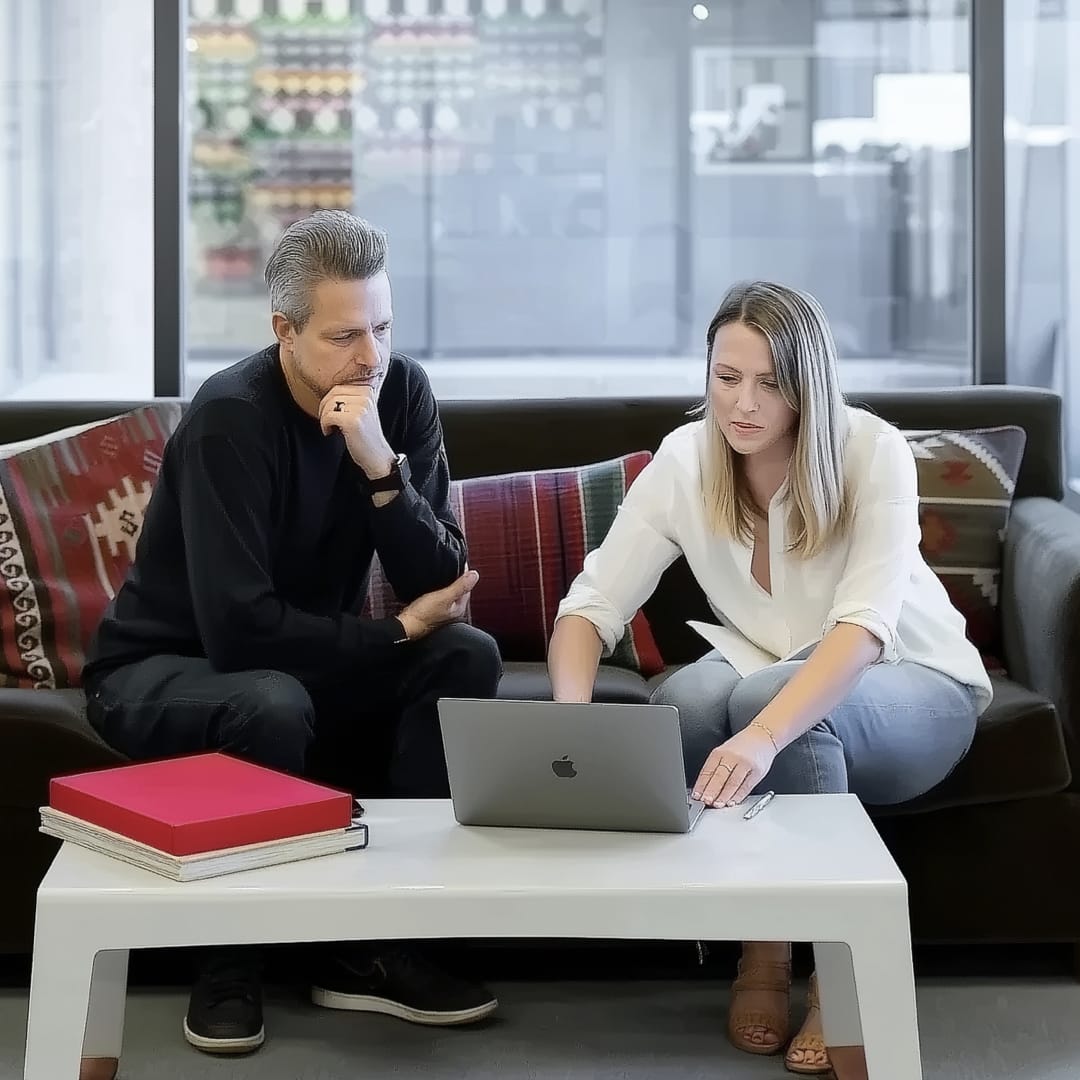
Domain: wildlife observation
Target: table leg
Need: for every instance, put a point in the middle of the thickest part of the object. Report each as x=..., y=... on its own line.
x=868, y=997
x=885, y=980
x=836, y=989
x=59, y=999
x=108, y=997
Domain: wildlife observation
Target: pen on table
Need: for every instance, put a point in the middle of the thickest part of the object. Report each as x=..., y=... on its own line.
x=759, y=805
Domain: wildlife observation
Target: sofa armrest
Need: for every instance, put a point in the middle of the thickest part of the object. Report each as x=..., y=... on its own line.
x=44, y=733
x=1040, y=609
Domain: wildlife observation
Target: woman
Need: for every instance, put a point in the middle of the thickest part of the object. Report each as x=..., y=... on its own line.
x=798, y=516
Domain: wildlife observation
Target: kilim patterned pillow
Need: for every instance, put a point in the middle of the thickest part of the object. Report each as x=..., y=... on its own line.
x=70, y=514
x=528, y=535
x=966, y=485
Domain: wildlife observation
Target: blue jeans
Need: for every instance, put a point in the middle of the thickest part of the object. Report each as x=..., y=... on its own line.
x=900, y=732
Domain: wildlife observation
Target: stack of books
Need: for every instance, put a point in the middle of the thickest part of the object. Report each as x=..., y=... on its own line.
x=196, y=817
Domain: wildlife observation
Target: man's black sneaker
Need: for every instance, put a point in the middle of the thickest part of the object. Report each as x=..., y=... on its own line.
x=397, y=981
x=225, y=1011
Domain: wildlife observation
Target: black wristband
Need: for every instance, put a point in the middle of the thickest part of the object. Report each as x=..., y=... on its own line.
x=398, y=477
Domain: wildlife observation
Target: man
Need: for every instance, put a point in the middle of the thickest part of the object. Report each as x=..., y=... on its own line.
x=236, y=628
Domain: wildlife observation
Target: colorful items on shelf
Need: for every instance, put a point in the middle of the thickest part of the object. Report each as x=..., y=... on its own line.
x=297, y=103
x=270, y=196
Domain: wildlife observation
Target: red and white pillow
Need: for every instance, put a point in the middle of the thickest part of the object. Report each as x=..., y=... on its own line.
x=528, y=534
x=71, y=509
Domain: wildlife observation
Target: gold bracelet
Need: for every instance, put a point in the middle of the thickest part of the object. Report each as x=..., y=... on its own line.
x=772, y=737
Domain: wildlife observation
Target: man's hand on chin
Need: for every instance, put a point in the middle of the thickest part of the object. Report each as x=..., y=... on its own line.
x=354, y=411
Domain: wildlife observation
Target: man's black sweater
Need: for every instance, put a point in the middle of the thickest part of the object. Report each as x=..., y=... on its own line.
x=258, y=539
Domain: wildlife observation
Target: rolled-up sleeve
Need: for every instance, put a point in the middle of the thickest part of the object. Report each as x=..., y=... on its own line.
x=884, y=544
x=622, y=573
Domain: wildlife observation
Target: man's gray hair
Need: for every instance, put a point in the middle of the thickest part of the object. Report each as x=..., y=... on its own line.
x=327, y=245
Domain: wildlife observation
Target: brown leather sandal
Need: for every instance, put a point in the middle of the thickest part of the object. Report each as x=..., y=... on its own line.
x=761, y=1031
x=811, y=1048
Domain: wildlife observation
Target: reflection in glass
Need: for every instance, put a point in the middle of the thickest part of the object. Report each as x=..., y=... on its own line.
x=570, y=185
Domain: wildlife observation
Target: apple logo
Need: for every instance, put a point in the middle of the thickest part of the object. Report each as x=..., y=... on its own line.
x=564, y=768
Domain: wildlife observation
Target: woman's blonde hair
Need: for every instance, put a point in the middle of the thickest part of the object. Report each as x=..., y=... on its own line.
x=804, y=356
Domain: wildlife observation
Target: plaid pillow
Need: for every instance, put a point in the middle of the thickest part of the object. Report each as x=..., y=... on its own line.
x=70, y=513
x=966, y=485
x=528, y=535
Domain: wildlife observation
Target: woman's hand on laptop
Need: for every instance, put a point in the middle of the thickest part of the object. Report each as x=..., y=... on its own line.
x=733, y=769
x=435, y=609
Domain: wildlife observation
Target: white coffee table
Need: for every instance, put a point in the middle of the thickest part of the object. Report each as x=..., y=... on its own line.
x=809, y=868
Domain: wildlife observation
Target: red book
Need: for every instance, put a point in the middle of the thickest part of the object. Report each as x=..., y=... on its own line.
x=189, y=805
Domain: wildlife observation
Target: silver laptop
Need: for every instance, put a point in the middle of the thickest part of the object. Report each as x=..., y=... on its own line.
x=547, y=765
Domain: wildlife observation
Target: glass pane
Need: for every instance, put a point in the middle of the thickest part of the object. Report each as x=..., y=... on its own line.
x=1042, y=241
x=76, y=215
x=830, y=151
x=570, y=185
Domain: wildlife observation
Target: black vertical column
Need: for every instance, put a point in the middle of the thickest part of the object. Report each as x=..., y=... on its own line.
x=169, y=192
x=987, y=60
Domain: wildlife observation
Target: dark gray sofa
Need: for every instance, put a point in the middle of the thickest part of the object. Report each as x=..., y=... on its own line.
x=990, y=856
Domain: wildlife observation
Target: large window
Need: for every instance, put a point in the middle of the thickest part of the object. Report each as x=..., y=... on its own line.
x=831, y=152
x=76, y=236
x=570, y=185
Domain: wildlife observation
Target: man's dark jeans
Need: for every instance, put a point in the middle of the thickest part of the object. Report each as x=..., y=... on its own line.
x=377, y=735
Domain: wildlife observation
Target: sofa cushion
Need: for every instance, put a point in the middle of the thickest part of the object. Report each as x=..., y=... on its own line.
x=1018, y=727
x=1018, y=753
x=966, y=484
x=525, y=681
x=528, y=535
x=71, y=511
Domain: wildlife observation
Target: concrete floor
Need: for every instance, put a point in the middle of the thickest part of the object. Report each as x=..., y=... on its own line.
x=984, y=1028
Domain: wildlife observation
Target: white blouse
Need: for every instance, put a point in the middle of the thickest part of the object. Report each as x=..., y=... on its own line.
x=875, y=578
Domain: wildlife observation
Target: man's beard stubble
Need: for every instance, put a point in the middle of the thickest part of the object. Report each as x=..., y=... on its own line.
x=344, y=379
